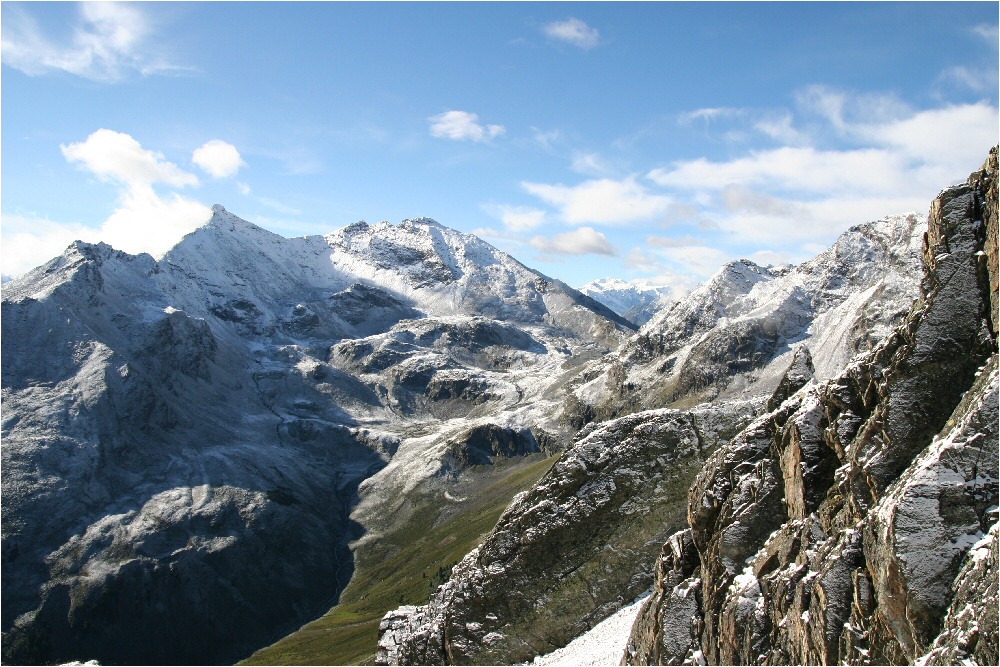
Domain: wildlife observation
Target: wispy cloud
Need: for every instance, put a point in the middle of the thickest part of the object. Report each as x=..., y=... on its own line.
x=601, y=201
x=573, y=31
x=965, y=78
x=988, y=31
x=781, y=128
x=661, y=271
x=463, y=126
x=547, y=139
x=847, y=158
x=590, y=164
x=109, y=41
x=218, y=158
x=582, y=241
x=708, y=114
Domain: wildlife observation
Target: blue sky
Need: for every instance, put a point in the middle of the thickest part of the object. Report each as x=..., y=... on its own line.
x=643, y=141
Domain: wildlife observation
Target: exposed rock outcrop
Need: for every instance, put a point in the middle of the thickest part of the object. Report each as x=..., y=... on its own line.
x=856, y=522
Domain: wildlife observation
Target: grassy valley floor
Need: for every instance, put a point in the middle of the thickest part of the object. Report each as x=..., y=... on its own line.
x=405, y=566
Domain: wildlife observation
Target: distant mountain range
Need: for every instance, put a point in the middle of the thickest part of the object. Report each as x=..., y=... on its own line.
x=636, y=301
x=204, y=452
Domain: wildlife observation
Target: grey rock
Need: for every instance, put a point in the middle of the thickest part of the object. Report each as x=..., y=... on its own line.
x=570, y=551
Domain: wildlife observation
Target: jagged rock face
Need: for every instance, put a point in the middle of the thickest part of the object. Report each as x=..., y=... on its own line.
x=734, y=336
x=183, y=440
x=572, y=550
x=856, y=522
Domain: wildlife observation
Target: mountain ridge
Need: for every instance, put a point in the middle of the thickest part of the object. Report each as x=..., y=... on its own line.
x=137, y=391
x=832, y=527
x=224, y=435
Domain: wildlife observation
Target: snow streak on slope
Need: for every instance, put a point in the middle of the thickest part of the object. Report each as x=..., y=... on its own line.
x=603, y=645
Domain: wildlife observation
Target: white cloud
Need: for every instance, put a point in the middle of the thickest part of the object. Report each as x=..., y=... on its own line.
x=601, y=201
x=739, y=198
x=988, y=31
x=701, y=261
x=590, y=164
x=573, y=31
x=218, y=158
x=708, y=114
x=913, y=155
x=546, y=138
x=800, y=169
x=948, y=138
x=143, y=222
x=846, y=159
x=109, y=40
x=29, y=241
x=117, y=156
x=977, y=81
x=661, y=272
x=673, y=241
x=582, y=241
x=780, y=128
x=147, y=222
x=772, y=258
x=516, y=218
x=463, y=126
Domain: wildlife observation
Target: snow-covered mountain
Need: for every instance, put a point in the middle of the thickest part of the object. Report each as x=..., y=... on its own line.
x=193, y=431
x=636, y=300
x=852, y=520
x=734, y=336
x=200, y=452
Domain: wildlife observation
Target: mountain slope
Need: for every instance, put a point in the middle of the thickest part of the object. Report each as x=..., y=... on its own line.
x=196, y=429
x=829, y=524
x=733, y=336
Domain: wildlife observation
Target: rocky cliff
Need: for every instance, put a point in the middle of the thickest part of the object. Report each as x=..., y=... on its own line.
x=570, y=551
x=857, y=521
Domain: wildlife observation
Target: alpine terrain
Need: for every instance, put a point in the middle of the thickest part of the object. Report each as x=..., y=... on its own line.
x=852, y=518
x=429, y=453
x=636, y=301
x=190, y=444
